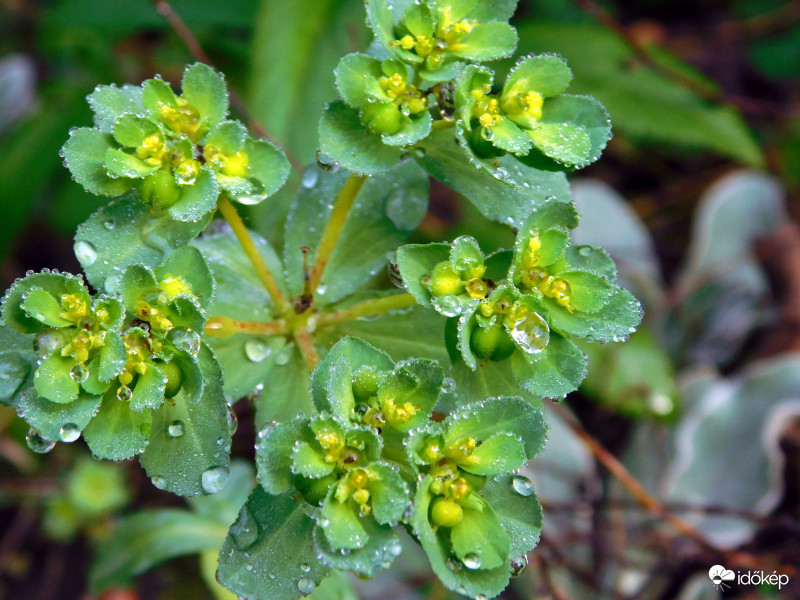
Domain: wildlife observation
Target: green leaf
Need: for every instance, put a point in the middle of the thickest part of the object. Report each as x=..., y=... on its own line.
x=131, y=130
x=644, y=104
x=554, y=372
x=415, y=261
x=589, y=292
x=49, y=418
x=119, y=163
x=332, y=385
x=113, y=357
x=56, y=284
x=351, y=74
x=306, y=461
x=204, y=88
x=547, y=74
x=381, y=20
x=85, y=156
x=147, y=538
x=274, y=452
x=53, y=379
x=117, y=432
x=500, y=453
x=387, y=208
x=198, y=460
x=344, y=139
x=614, y=322
x=148, y=393
x=564, y=143
x=15, y=366
x=380, y=550
x=288, y=394
x=279, y=563
x=343, y=528
x=491, y=41
x=228, y=136
x=507, y=136
x=486, y=418
x=157, y=93
x=197, y=200
x=125, y=232
x=390, y=497
x=110, y=102
x=509, y=203
x=43, y=307
x=488, y=583
x=480, y=535
x=519, y=512
x=187, y=263
x=268, y=165
x=586, y=113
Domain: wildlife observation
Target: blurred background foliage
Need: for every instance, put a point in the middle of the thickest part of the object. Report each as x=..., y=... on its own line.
x=696, y=198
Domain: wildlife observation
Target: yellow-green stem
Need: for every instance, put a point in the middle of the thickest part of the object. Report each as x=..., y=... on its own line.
x=333, y=229
x=365, y=309
x=223, y=327
x=305, y=344
x=248, y=245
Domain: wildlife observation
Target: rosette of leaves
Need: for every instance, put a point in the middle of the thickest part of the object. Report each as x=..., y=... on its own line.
x=461, y=511
x=450, y=277
x=531, y=117
x=437, y=37
x=336, y=466
x=177, y=152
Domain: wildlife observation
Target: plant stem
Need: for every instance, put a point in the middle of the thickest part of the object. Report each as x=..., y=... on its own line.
x=333, y=229
x=364, y=309
x=223, y=327
x=249, y=247
x=304, y=343
x=630, y=483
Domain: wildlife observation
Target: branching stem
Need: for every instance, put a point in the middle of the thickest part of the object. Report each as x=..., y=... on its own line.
x=333, y=229
x=365, y=309
x=248, y=245
x=223, y=327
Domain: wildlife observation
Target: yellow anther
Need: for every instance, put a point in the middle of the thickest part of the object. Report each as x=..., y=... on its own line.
x=181, y=119
x=73, y=307
x=432, y=452
x=406, y=42
x=187, y=170
x=125, y=377
x=487, y=309
x=153, y=151
x=462, y=28
x=532, y=103
x=358, y=479
x=398, y=415
x=101, y=314
x=236, y=165
x=424, y=45
x=462, y=451
x=477, y=288
x=332, y=443
x=458, y=488
x=140, y=368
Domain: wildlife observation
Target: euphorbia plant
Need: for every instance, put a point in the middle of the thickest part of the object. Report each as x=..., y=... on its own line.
x=382, y=409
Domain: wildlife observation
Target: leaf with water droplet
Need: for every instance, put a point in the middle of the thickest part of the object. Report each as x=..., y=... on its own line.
x=116, y=432
x=552, y=373
x=85, y=157
x=377, y=554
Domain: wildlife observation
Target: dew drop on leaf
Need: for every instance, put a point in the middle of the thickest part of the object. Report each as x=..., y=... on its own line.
x=256, y=350
x=472, y=561
x=305, y=567
x=45, y=343
x=214, y=479
x=109, y=224
x=175, y=429
x=282, y=358
x=448, y=305
x=159, y=482
x=453, y=564
x=305, y=586
x=79, y=373
x=233, y=420
x=522, y=485
x=531, y=333
x=37, y=443
x=85, y=252
x=309, y=179
x=124, y=393
x=69, y=432
x=518, y=565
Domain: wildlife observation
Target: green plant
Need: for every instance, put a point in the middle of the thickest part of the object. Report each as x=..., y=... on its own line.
x=425, y=403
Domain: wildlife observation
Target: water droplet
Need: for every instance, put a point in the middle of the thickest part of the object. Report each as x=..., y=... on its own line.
x=480, y=597
x=283, y=357
x=159, y=482
x=531, y=333
x=518, y=565
x=585, y=250
x=305, y=586
x=472, y=561
x=245, y=530
x=256, y=350
x=406, y=208
x=449, y=305
x=85, y=253
x=449, y=384
x=109, y=224
x=305, y=567
x=45, y=343
x=453, y=564
x=69, y=432
x=214, y=479
x=309, y=179
x=522, y=485
x=124, y=393
x=79, y=373
x=175, y=429
x=233, y=420
x=326, y=163
x=185, y=339
x=37, y=443
x=660, y=404
x=487, y=134
x=419, y=152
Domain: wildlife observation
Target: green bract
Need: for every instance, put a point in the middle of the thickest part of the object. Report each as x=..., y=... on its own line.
x=530, y=117
x=178, y=152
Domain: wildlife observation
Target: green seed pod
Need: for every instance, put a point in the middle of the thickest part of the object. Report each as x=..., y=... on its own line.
x=365, y=384
x=160, y=189
x=174, y=378
x=381, y=117
x=491, y=343
x=314, y=490
x=446, y=513
x=445, y=280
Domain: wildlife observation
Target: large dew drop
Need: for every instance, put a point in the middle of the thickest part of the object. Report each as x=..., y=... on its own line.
x=522, y=485
x=531, y=333
x=69, y=432
x=305, y=586
x=37, y=443
x=472, y=561
x=214, y=479
x=449, y=305
x=85, y=252
x=256, y=350
x=175, y=429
